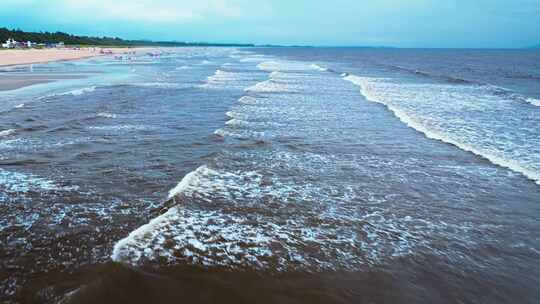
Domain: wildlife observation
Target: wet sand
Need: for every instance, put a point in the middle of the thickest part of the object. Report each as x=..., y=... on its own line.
x=19, y=57
x=11, y=81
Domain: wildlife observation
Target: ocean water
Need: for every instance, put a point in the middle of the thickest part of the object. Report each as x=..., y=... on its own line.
x=294, y=175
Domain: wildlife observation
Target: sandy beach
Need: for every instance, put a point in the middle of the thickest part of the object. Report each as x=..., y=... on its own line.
x=11, y=81
x=19, y=57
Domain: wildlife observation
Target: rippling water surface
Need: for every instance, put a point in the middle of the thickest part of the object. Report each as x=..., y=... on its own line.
x=274, y=175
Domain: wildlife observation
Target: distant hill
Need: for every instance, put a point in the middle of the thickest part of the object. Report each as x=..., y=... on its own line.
x=68, y=39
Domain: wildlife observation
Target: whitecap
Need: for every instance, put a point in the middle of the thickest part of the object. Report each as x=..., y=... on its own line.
x=76, y=92
x=7, y=132
x=247, y=100
x=270, y=86
x=106, y=115
x=533, y=101
x=284, y=65
x=163, y=85
x=236, y=122
x=493, y=155
x=319, y=68
x=16, y=182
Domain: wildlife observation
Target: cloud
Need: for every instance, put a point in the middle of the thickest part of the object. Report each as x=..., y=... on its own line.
x=149, y=11
x=142, y=11
x=455, y=23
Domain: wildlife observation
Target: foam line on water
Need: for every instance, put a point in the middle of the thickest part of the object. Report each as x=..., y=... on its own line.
x=219, y=79
x=533, y=101
x=75, y=92
x=106, y=115
x=270, y=86
x=190, y=180
x=288, y=66
x=247, y=100
x=7, y=132
x=224, y=219
x=16, y=182
x=223, y=236
x=185, y=186
x=413, y=123
x=319, y=68
x=161, y=85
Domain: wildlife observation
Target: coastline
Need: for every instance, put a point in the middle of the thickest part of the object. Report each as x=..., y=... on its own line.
x=11, y=58
x=35, y=56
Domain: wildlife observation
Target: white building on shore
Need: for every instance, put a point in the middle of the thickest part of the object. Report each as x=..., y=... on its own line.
x=10, y=44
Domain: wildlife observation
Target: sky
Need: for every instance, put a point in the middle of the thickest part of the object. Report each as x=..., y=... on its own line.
x=398, y=23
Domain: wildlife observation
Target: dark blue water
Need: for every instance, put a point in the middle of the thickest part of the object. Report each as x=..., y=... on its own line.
x=275, y=175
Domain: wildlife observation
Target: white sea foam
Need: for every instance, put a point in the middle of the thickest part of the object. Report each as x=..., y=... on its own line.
x=269, y=66
x=495, y=156
x=220, y=132
x=270, y=86
x=123, y=127
x=16, y=182
x=164, y=85
x=190, y=181
x=261, y=238
x=76, y=92
x=38, y=144
x=319, y=68
x=80, y=91
x=255, y=58
x=236, y=115
x=533, y=101
x=247, y=100
x=185, y=186
x=190, y=231
x=276, y=75
x=255, y=209
x=219, y=79
x=236, y=122
x=8, y=132
x=106, y=115
x=285, y=66
x=497, y=160
x=226, y=79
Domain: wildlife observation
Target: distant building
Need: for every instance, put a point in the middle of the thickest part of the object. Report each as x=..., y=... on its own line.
x=10, y=44
x=60, y=44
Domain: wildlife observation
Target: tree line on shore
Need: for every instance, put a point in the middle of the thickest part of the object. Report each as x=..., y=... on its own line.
x=68, y=39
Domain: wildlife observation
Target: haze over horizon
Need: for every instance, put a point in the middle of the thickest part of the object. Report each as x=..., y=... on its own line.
x=416, y=23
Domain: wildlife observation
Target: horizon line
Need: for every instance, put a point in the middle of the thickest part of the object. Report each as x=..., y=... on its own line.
x=292, y=45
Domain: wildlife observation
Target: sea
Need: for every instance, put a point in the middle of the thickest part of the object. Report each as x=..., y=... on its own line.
x=273, y=175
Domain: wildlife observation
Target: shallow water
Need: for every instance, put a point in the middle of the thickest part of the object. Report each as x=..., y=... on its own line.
x=275, y=175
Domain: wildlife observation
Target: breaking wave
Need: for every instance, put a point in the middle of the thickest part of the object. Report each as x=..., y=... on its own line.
x=495, y=156
x=106, y=115
x=15, y=182
x=160, y=85
x=8, y=132
x=76, y=92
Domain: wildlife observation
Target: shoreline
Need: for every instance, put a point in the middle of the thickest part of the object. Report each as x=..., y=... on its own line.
x=40, y=56
x=13, y=58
